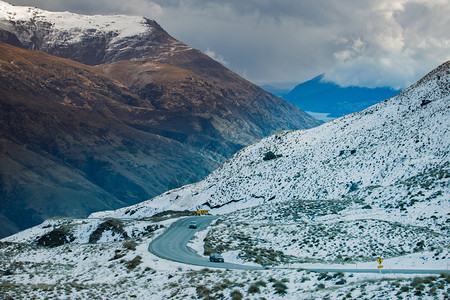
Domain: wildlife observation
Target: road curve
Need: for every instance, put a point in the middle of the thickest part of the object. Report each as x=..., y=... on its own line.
x=172, y=244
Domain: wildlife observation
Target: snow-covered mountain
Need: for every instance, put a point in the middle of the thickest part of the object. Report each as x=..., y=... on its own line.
x=90, y=39
x=393, y=155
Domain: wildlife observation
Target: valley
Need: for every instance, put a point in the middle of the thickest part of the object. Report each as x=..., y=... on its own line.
x=102, y=112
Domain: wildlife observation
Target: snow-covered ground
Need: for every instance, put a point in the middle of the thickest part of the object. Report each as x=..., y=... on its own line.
x=326, y=234
x=125, y=269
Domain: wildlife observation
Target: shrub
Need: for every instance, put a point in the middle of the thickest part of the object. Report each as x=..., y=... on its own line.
x=446, y=277
x=261, y=283
x=280, y=288
x=404, y=289
x=57, y=237
x=432, y=291
x=112, y=224
x=118, y=254
x=253, y=289
x=236, y=295
x=130, y=245
x=132, y=264
x=341, y=282
x=429, y=280
x=222, y=286
x=203, y=291
x=420, y=244
x=420, y=287
x=270, y=155
x=324, y=275
x=416, y=281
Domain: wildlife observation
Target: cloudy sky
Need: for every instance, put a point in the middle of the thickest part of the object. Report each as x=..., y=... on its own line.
x=354, y=42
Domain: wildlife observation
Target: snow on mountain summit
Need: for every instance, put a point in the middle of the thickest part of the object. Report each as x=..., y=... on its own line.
x=388, y=154
x=65, y=22
x=89, y=39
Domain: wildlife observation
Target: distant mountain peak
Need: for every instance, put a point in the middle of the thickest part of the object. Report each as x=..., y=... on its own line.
x=321, y=96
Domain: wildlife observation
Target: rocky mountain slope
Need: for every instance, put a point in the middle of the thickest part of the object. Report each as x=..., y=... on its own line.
x=70, y=143
x=393, y=157
x=318, y=96
x=153, y=114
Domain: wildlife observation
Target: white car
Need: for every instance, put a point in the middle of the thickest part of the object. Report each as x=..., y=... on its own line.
x=193, y=225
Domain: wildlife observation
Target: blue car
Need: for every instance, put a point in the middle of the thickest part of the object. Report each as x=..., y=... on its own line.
x=216, y=258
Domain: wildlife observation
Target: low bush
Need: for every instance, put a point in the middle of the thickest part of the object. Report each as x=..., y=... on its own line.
x=236, y=295
x=110, y=224
x=416, y=281
x=324, y=276
x=118, y=254
x=280, y=288
x=404, y=289
x=253, y=289
x=341, y=282
x=132, y=264
x=56, y=237
x=261, y=283
x=420, y=287
x=446, y=277
x=203, y=291
x=130, y=245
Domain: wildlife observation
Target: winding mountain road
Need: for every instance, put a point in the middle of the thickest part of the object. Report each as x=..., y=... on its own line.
x=172, y=245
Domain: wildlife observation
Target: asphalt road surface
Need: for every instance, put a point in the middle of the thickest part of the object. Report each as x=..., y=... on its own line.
x=172, y=245
x=383, y=271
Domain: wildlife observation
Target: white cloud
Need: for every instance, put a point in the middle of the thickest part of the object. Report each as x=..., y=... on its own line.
x=216, y=56
x=365, y=42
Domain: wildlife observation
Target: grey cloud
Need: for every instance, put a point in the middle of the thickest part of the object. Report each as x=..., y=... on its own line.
x=364, y=42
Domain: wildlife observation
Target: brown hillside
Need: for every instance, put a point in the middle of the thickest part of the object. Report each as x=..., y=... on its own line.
x=65, y=149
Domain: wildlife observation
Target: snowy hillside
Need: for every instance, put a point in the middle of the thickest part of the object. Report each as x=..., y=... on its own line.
x=66, y=34
x=394, y=154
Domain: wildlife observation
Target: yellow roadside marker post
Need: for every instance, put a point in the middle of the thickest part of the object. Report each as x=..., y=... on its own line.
x=380, y=261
